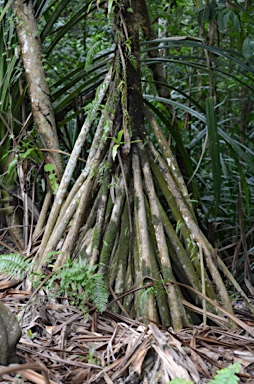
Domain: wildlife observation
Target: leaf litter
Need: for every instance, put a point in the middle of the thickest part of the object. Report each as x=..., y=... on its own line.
x=59, y=345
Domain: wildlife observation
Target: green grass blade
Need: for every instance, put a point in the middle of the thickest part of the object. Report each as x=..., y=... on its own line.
x=185, y=95
x=175, y=104
x=53, y=18
x=232, y=56
x=66, y=28
x=82, y=89
x=246, y=155
x=214, y=148
x=7, y=81
x=5, y=9
x=232, y=73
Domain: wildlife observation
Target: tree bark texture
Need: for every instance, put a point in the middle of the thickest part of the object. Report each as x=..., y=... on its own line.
x=31, y=51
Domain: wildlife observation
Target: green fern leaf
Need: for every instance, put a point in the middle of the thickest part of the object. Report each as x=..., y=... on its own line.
x=93, y=50
x=14, y=265
x=227, y=375
x=80, y=282
x=99, y=293
x=133, y=60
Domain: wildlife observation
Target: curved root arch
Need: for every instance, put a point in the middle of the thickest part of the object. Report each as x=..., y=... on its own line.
x=129, y=211
x=135, y=240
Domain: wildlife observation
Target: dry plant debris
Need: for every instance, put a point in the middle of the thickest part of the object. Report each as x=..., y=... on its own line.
x=62, y=345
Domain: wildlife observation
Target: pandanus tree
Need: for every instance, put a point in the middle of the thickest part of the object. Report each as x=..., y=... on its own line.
x=129, y=210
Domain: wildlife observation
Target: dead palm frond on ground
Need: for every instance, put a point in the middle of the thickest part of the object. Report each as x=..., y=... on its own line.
x=60, y=345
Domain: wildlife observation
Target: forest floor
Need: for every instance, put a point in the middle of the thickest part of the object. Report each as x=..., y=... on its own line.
x=59, y=344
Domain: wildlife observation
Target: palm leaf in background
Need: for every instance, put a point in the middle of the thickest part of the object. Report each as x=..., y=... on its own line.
x=214, y=148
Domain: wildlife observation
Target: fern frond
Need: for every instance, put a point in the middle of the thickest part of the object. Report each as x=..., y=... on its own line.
x=227, y=375
x=14, y=265
x=98, y=293
x=223, y=376
x=93, y=50
x=79, y=281
x=133, y=60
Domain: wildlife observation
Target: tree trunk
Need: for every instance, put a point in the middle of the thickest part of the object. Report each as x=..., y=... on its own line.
x=130, y=203
x=36, y=78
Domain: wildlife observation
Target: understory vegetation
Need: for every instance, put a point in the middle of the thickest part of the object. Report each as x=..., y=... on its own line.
x=126, y=154
x=223, y=376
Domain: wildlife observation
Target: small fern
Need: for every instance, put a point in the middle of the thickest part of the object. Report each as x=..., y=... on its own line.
x=92, y=109
x=227, y=375
x=80, y=282
x=14, y=265
x=93, y=50
x=133, y=60
x=223, y=376
x=98, y=293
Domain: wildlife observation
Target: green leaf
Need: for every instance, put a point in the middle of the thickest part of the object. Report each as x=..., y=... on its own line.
x=232, y=56
x=214, y=148
x=49, y=167
x=53, y=18
x=119, y=137
x=114, y=151
x=31, y=154
x=7, y=79
x=246, y=154
x=3, y=11
x=76, y=274
x=110, y=6
x=227, y=375
x=191, y=111
x=242, y=172
x=14, y=265
x=67, y=27
x=248, y=47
